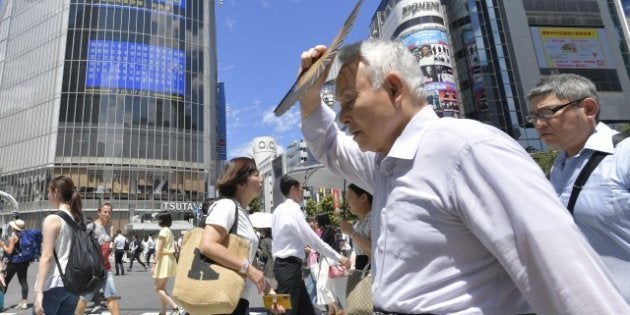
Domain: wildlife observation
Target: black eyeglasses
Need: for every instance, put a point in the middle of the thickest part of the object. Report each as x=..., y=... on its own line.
x=548, y=112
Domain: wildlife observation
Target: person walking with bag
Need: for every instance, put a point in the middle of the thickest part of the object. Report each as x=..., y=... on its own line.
x=291, y=234
x=238, y=186
x=328, y=273
x=102, y=230
x=165, y=265
x=21, y=268
x=51, y=297
x=360, y=202
x=358, y=293
x=135, y=248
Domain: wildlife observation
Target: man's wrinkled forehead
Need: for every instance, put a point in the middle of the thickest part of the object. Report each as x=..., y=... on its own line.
x=347, y=75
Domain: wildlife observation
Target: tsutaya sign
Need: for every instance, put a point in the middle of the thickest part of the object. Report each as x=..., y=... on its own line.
x=180, y=206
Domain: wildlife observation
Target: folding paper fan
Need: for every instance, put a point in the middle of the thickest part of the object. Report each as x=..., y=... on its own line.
x=307, y=78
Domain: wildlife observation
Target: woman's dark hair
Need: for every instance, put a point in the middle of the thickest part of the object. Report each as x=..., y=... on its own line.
x=265, y=232
x=325, y=225
x=286, y=182
x=328, y=232
x=64, y=186
x=164, y=219
x=359, y=191
x=323, y=219
x=236, y=173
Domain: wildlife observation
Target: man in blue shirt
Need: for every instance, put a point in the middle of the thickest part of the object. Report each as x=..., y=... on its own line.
x=565, y=111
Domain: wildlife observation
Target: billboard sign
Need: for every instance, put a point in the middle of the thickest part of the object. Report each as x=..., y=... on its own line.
x=432, y=52
x=572, y=48
x=425, y=12
x=127, y=66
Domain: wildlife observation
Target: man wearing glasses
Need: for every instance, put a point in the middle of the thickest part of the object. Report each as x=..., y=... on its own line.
x=564, y=109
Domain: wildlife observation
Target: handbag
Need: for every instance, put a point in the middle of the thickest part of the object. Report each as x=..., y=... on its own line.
x=337, y=271
x=203, y=286
x=359, y=292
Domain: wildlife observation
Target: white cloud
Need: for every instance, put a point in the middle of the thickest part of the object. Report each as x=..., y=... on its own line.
x=266, y=4
x=226, y=68
x=230, y=22
x=288, y=121
x=241, y=149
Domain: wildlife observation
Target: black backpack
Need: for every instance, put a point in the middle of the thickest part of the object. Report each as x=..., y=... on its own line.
x=85, y=270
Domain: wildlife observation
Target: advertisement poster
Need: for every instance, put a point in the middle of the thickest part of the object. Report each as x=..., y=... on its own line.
x=572, y=48
x=432, y=52
x=474, y=71
x=129, y=68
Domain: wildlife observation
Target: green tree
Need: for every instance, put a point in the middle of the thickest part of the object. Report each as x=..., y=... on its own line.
x=310, y=207
x=545, y=160
x=255, y=205
x=327, y=205
x=624, y=128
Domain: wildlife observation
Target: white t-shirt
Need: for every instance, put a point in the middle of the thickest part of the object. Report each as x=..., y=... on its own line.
x=222, y=214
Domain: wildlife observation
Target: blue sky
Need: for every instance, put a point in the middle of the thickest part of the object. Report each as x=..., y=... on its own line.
x=259, y=43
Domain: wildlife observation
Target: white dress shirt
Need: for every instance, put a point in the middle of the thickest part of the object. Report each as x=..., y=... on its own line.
x=465, y=222
x=291, y=231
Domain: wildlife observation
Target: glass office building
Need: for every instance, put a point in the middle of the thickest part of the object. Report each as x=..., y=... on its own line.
x=499, y=50
x=120, y=95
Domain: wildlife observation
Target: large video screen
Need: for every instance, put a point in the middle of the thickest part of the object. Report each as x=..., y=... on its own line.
x=116, y=65
x=572, y=48
x=148, y=4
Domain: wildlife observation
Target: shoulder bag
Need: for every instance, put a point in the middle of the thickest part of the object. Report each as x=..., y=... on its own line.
x=202, y=286
x=359, y=292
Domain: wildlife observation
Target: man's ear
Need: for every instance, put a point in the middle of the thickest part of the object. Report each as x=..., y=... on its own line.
x=393, y=85
x=590, y=107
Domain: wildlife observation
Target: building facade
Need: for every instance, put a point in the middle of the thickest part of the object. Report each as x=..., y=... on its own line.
x=499, y=50
x=119, y=95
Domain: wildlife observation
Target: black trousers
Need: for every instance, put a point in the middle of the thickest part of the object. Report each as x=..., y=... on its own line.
x=288, y=272
x=150, y=253
x=136, y=256
x=21, y=269
x=118, y=259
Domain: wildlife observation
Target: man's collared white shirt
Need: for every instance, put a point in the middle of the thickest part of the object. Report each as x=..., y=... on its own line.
x=462, y=219
x=291, y=232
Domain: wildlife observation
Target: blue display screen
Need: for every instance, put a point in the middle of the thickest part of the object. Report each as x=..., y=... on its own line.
x=147, y=4
x=175, y=3
x=134, y=66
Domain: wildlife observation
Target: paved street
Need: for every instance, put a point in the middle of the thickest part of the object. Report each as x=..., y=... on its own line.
x=135, y=288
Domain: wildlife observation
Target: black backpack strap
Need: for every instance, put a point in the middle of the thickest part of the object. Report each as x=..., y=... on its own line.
x=74, y=226
x=619, y=137
x=589, y=168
